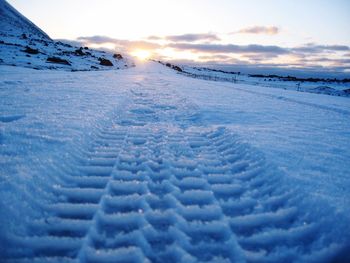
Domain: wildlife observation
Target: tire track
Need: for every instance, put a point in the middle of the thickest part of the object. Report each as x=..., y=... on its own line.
x=150, y=190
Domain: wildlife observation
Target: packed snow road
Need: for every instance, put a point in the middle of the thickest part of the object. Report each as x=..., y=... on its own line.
x=145, y=165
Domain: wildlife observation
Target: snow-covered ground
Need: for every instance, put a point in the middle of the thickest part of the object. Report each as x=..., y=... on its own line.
x=147, y=165
x=24, y=44
x=335, y=87
x=47, y=54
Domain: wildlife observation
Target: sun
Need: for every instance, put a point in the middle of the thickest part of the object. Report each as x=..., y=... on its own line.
x=141, y=54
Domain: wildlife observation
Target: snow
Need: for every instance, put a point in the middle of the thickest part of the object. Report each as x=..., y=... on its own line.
x=308, y=130
x=13, y=52
x=148, y=165
x=330, y=87
x=13, y=22
x=24, y=44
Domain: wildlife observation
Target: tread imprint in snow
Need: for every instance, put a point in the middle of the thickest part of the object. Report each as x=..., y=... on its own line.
x=144, y=193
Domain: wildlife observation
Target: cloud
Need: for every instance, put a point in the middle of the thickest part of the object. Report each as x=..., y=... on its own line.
x=267, y=30
x=312, y=48
x=211, y=57
x=180, y=43
x=201, y=37
x=96, y=39
x=154, y=38
x=219, y=58
x=229, y=48
x=310, y=55
x=192, y=37
x=125, y=44
x=257, y=57
x=334, y=61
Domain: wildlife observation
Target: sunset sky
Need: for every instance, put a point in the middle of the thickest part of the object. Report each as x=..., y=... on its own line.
x=298, y=33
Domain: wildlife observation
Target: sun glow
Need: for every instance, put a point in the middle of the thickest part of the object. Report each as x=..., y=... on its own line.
x=141, y=54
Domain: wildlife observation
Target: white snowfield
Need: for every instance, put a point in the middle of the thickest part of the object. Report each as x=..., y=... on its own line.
x=329, y=87
x=146, y=165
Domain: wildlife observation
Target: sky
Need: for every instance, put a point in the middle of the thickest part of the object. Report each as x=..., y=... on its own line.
x=312, y=34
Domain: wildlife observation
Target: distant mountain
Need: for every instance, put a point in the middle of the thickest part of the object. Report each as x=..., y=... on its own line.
x=13, y=22
x=24, y=44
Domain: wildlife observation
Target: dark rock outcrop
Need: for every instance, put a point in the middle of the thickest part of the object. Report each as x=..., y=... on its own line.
x=174, y=67
x=177, y=68
x=79, y=52
x=105, y=62
x=118, y=56
x=30, y=50
x=58, y=60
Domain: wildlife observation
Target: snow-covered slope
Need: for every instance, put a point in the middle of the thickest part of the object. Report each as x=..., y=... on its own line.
x=15, y=24
x=329, y=87
x=147, y=165
x=24, y=44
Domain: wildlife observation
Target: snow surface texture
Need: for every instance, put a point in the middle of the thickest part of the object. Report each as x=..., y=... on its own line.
x=334, y=88
x=146, y=165
x=24, y=44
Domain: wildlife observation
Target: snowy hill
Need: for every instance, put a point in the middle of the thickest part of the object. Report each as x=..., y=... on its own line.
x=14, y=23
x=24, y=44
x=332, y=87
